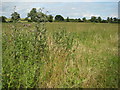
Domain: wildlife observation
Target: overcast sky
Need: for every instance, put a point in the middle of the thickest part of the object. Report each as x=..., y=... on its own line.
x=76, y=9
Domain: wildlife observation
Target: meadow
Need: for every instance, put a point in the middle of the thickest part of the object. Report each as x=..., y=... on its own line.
x=60, y=55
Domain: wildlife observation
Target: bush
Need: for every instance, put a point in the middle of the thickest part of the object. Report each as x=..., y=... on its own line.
x=3, y=19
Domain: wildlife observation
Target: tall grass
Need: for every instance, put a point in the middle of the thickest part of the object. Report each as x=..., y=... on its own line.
x=46, y=56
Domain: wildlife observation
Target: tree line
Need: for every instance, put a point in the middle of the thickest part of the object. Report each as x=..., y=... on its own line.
x=39, y=16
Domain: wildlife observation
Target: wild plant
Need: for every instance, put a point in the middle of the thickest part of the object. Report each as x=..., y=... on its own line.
x=24, y=53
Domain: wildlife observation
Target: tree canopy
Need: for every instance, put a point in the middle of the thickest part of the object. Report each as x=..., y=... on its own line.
x=84, y=19
x=3, y=19
x=67, y=20
x=93, y=19
x=15, y=16
x=59, y=18
x=39, y=16
x=50, y=18
x=99, y=19
x=33, y=14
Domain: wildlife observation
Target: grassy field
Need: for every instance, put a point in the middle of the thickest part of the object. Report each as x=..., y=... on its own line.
x=60, y=55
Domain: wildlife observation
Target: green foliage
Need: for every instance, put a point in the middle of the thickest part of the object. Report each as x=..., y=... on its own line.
x=93, y=19
x=3, y=19
x=50, y=18
x=99, y=19
x=15, y=16
x=28, y=51
x=59, y=18
x=104, y=21
x=84, y=19
x=79, y=55
x=63, y=39
x=37, y=16
x=109, y=20
x=33, y=14
x=115, y=20
x=79, y=20
x=67, y=20
x=26, y=19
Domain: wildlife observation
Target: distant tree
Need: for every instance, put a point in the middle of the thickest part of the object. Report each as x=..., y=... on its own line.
x=33, y=14
x=84, y=19
x=26, y=19
x=104, y=21
x=111, y=19
x=99, y=19
x=118, y=20
x=93, y=19
x=115, y=20
x=15, y=16
x=59, y=18
x=3, y=19
x=71, y=20
x=67, y=20
x=41, y=17
x=108, y=19
x=37, y=16
x=50, y=18
x=76, y=20
x=79, y=20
